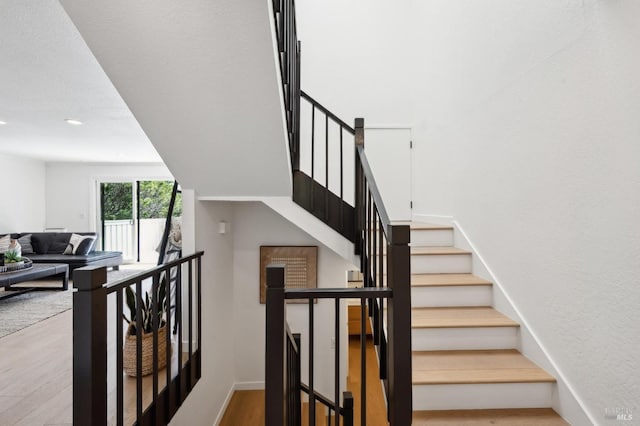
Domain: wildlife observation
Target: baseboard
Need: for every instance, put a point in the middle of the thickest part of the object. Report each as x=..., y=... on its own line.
x=565, y=400
x=249, y=386
x=225, y=404
x=236, y=387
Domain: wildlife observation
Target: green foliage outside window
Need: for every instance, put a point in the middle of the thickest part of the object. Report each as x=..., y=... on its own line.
x=117, y=201
x=153, y=202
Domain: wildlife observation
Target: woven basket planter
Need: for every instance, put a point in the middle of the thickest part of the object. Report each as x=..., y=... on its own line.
x=129, y=355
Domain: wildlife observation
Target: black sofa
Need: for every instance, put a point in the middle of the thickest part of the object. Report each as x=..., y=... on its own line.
x=49, y=247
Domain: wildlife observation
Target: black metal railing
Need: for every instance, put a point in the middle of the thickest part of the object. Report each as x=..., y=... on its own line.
x=283, y=372
x=323, y=181
x=102, y=393
x=385, y=261
x=284, y=15
x=334, y=182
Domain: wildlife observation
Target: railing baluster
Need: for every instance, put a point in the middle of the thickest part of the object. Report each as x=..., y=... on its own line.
x=312, y=399
x=178, y=320
x=139, y=329
x=297, y=401
x=337, y=362
x=313, y=141
x=119, y=369
x=382, y=348
x=326, y=167
x=199, y=315
x=168, y=398
x=155, y=325
x=190, y=319
x=363, y=363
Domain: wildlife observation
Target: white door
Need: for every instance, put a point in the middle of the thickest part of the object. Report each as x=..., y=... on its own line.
x=389, y=153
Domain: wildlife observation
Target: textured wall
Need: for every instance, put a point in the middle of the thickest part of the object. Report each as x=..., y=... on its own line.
x=22, y=207
x=525, y=127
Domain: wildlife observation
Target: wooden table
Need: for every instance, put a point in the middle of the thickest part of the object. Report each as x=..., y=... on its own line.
x=37, y=271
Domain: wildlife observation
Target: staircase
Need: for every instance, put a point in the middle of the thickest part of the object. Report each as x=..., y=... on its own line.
x=464, y=362
x=466, y=366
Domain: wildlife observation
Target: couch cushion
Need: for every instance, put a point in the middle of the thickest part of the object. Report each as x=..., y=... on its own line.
x=25, y=242
x=80, y=244
x=4, y=243
x=50, y=242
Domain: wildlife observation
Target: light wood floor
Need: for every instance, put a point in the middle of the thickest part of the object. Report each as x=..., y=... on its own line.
x=36, y=374
x=247, y=407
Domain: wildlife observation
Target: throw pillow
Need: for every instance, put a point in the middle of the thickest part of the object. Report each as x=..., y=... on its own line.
x=80, y=244
x=25, y=242
x=4, y=243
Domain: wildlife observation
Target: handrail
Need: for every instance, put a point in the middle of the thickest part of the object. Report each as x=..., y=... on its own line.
x=338, y=293
x=373, y=188
x=327, y=112
x=125, y=282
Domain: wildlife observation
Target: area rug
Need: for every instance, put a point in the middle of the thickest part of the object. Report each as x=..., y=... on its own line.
x=30, y=308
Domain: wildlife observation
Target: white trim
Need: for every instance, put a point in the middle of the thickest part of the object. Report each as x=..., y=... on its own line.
x=249, y=385
x=225, y=404
x=236, y=197
x=236, y=387
x=569, y=412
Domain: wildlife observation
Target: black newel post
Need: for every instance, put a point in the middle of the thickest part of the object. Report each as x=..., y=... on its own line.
x=275, y=340
x=399, y=326
x=90, y=346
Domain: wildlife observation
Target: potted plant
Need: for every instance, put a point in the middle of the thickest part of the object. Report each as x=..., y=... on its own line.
x=146, y=309
x=12, y=258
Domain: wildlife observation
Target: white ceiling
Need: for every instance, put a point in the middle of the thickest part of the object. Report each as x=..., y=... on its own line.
x=48, y=74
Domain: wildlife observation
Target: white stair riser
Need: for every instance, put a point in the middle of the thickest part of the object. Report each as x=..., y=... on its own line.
x=445, y=339
x=434, y=237
x=472, y=295
x=482, y=396
x=441, y=264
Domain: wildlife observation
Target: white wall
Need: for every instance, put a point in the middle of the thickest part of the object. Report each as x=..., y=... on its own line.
x=524, y=119
x=233, y=319
x=254, y=224
x=209, y=395
x=72, y=192
x=201, y=78
x=22, y=208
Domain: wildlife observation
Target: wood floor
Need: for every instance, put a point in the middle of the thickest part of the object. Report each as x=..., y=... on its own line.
x=247, y=407
x=36, y=374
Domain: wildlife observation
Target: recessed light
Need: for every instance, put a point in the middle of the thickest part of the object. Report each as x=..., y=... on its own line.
x=73, y=122
x=2, y=123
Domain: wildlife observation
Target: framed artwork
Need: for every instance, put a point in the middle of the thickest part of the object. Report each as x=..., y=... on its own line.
x=301, y=267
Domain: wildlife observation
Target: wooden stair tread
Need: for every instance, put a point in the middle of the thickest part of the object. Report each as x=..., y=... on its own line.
x=441, y=280
x=476, y=367
x=438, y=250
x=495, y=417
x=417, y=226
x=457, y=317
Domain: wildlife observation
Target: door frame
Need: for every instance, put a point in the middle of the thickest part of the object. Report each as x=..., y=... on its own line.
x=412, y=145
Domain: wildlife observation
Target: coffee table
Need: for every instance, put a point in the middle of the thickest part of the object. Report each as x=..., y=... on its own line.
x=37, y=271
